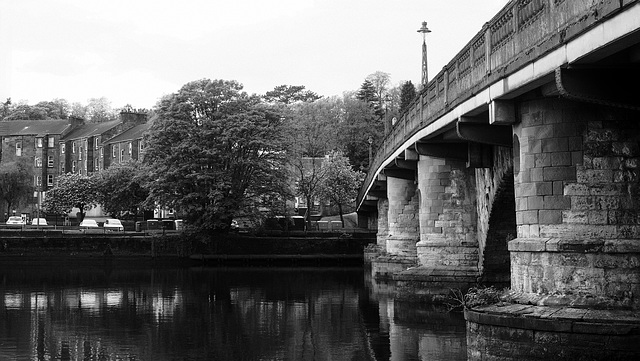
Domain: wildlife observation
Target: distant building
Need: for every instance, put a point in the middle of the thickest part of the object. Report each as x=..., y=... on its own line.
x=54, y=147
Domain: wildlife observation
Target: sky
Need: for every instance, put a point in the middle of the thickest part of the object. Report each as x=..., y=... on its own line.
x=135, y=51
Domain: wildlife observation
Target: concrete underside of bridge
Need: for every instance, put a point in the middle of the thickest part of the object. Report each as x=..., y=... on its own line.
x=536, y=190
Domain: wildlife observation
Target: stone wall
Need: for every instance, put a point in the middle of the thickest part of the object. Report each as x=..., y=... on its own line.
x=578, y=205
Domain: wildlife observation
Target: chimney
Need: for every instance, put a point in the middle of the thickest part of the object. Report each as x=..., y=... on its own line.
x=133, y=117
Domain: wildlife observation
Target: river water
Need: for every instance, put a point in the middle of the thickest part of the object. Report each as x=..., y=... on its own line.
x=123, y=313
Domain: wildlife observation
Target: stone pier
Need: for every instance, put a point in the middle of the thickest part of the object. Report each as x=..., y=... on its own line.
x=575, y=266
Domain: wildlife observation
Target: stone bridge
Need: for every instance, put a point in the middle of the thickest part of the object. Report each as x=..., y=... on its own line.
x=518, y=165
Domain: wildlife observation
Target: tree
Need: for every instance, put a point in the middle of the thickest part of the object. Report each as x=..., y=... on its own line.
x=360, y=130
x=289, y=94
x=407, y=96
x=312, y=133
x=16, y=181
x=99, y=110
x=380, y=82
x=120, y=189
x=72, y=190
x=340, y=182
x=212, y=150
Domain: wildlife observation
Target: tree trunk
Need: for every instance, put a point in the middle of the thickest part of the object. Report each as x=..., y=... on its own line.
x=308, y=215
x=341, y=217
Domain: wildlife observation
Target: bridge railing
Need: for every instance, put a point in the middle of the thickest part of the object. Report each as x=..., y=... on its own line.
x=521, y=32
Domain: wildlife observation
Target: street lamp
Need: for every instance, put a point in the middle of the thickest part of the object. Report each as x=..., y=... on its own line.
x=386, y=100
x=370, y=140
x=424, y=30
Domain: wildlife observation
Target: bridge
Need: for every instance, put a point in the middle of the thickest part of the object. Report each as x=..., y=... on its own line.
x=518, y=165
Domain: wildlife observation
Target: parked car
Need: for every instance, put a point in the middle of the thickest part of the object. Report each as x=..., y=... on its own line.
x=39, y=222
x=89, y=223
x=15, y=221
x=113, y=224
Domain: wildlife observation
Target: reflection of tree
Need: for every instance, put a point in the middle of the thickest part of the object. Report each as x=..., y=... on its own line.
x=162, y=315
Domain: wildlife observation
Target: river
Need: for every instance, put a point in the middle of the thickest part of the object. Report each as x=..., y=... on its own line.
x=67, y=312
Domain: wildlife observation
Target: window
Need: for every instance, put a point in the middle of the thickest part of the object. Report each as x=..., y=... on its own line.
x=19, y=148
x=61, y=167
x=50, y=180
x=113, y=151
x=51, y=142
x=86, y=144
x=96, y=143
x=96, y=163
x=50, y=161
x=38, y=162
x=73, y=166
x=80, y=153
x=62, y=148
x=73, y=147
x=101, y=151
x=38, y=181
x=122, y=156
x=39, y=142
x=140, y=145
x=130, y=148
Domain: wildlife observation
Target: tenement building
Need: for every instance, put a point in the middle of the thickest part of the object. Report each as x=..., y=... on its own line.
x=49, y=148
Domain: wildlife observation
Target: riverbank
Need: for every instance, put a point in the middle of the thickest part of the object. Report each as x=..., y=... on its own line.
x=154, y=249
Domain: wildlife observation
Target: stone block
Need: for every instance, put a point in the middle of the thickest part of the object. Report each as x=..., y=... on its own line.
x=560, y=159
x=539, y=160
x=550, y=216
x=606, y=162
x=578, y=217
x=576, y=189
x=530, y=217
x=602, y=135
x=566, y=173
x=535, y=202
x=544, y=188
x=552, y=145
x=558, y=188
x=579, y=203
x=598, y=217
x=536, y=174
x=557, y=202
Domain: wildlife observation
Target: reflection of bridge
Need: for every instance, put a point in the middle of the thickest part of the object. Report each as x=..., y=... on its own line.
x=519, y=162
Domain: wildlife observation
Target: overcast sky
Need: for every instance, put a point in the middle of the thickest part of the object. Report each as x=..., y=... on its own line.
x=135, y=51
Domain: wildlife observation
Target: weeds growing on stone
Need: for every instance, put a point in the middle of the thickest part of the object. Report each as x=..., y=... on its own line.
x=476, y=296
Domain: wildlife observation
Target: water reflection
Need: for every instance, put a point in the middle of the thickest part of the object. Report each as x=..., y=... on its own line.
x=71, y=313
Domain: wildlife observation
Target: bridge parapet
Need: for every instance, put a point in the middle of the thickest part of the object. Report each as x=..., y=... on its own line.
x=523, y=31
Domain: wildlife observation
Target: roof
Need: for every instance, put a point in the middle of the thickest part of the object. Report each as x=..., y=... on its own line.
x=33, y=127
x=91, y=129
x=133, y=133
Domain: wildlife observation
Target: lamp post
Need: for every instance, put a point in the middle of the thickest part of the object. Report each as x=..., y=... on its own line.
x=424, y=30
x=370, y=140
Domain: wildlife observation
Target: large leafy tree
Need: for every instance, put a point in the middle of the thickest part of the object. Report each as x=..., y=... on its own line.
x=120, y=188
x=16, y=183
x=340, y=182
x=72, y=190
x=212, y=150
